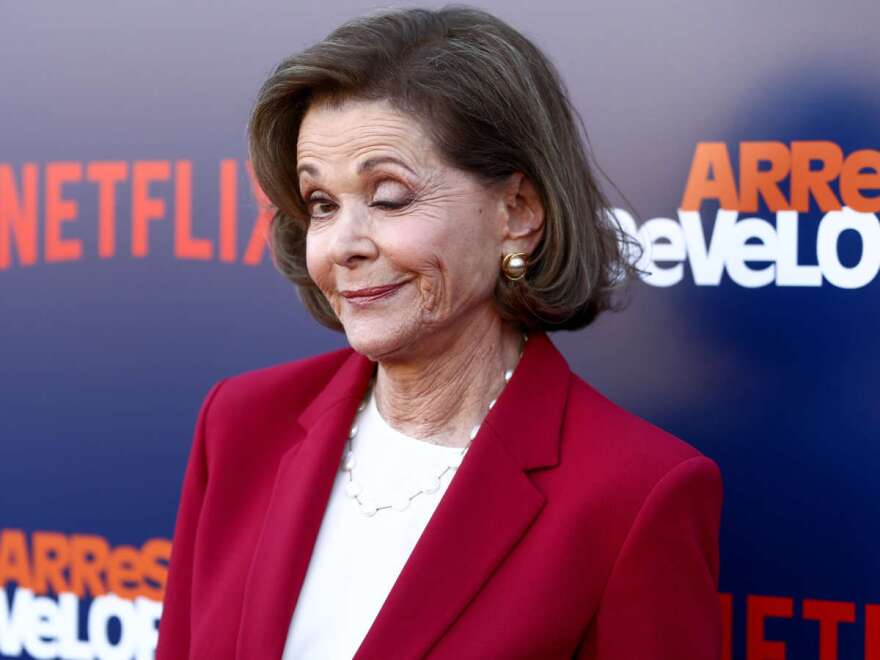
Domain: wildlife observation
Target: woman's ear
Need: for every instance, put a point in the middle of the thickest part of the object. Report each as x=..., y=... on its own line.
x=524, y=218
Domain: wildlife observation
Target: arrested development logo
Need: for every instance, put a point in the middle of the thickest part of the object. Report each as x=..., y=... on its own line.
x=70, y=591
x=788, y=180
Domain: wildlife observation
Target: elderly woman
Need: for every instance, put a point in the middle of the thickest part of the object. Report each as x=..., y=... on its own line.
x=446, y=487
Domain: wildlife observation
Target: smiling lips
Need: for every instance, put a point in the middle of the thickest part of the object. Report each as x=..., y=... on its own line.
x=369, y=294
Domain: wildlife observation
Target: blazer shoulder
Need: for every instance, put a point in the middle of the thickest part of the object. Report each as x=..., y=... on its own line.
x=288, y=386
x=621, y=441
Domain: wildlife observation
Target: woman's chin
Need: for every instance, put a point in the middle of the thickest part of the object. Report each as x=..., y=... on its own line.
x=377, y=341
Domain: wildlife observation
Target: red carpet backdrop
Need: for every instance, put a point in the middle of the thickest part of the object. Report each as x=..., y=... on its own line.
x=134, y=274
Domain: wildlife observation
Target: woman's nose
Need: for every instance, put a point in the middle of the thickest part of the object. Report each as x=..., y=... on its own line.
x=352, y=241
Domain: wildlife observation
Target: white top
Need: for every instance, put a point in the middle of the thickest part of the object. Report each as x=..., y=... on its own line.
x=357, y=558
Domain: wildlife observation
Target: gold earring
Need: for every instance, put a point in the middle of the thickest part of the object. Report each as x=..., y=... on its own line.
x=514, y=265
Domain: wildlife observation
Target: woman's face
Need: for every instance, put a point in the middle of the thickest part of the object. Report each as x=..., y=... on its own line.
x=405, y=248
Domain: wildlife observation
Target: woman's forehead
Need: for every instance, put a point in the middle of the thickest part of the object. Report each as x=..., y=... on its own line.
x=357, y=128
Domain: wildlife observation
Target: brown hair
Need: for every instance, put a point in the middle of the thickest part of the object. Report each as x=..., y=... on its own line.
x=493, y=104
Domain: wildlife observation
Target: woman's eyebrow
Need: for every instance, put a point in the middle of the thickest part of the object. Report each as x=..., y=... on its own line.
x=370, y=163
x=308, y=169
x=365, y=166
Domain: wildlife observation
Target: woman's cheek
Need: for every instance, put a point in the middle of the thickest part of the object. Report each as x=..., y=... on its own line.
x=318, y=265
x=433, y=285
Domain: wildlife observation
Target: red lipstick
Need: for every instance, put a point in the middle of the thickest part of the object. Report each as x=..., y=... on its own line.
x=370, y=294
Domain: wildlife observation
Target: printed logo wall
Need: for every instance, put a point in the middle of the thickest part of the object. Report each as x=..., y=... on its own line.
x=134, y=273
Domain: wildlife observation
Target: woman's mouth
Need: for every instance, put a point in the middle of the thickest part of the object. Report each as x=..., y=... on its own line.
x=371, y=294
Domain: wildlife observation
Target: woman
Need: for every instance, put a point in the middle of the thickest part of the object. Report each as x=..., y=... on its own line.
x=446, y=487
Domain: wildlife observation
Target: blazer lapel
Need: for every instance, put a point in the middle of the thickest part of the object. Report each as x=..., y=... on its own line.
x=302, y=488
x=486, y=509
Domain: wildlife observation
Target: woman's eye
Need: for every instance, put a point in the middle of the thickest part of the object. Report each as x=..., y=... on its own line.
x=391, y=195
x=391, y=205
x=319, y=208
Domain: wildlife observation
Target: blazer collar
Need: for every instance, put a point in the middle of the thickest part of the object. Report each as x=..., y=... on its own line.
x=457, y=551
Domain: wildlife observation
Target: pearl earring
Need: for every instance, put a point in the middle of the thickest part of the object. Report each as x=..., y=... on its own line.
x=514, y=265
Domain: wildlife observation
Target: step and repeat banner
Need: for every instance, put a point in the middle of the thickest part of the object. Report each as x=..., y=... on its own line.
x=134, y=274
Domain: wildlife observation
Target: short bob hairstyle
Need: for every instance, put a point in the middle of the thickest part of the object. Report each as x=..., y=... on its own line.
x=493, y=105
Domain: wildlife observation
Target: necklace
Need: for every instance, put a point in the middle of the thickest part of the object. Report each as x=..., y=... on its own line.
x=355, y=490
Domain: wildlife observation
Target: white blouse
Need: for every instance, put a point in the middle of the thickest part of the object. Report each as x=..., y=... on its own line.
x=357, y=558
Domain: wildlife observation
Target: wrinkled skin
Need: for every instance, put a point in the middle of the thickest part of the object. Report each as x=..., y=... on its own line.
x=439, y=342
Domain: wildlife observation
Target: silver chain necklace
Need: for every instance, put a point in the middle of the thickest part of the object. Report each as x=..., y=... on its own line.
x=355, y=490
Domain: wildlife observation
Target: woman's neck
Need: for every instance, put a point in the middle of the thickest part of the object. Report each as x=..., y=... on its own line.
x=441, y=394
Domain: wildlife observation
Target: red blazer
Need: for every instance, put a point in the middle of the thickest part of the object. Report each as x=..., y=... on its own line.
x=572, y=528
